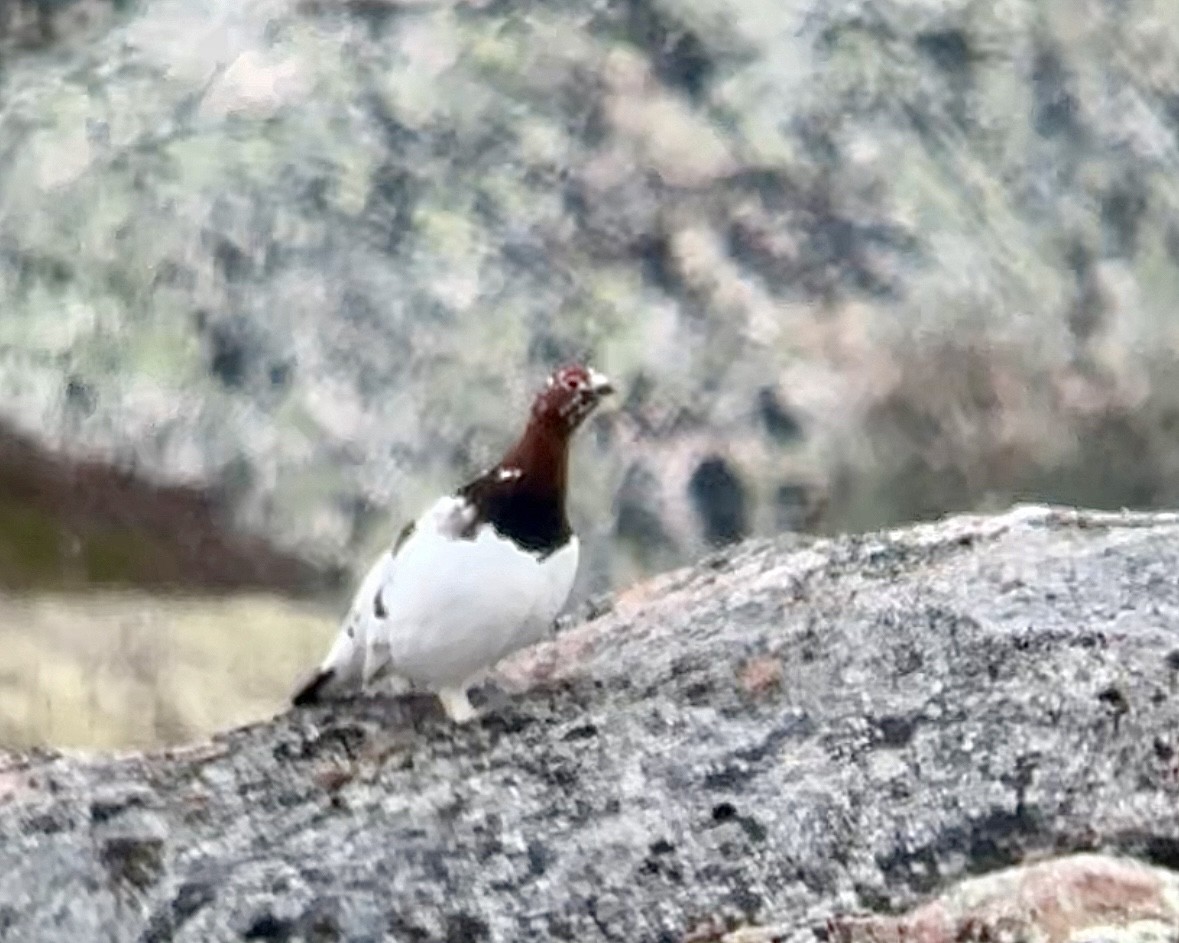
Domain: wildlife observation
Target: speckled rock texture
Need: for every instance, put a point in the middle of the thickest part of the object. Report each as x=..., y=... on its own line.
x=1080, y=898
x=808, y=736
x=851, y=262
x=39, y=25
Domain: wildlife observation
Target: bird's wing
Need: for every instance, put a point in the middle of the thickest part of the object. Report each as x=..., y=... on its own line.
x=347, y=664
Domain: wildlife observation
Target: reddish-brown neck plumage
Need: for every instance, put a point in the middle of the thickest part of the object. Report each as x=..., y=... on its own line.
x=542, y=456
x=523, y=497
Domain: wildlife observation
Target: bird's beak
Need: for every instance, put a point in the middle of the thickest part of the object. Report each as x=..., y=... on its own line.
x=600, y=383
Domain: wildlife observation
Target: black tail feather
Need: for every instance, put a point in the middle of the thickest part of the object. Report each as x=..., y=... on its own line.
x=312, y=690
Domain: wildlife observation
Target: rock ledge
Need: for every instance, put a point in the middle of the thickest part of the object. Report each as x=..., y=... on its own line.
x=811, y=736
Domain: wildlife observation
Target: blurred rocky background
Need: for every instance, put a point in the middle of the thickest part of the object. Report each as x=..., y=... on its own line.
x=275, y=272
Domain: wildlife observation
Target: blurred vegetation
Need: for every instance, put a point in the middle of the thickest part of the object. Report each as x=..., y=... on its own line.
x=121, y=669
x=130, y=615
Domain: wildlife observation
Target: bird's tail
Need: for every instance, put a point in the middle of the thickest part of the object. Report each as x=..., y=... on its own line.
x=340, y=673
x=314, y=689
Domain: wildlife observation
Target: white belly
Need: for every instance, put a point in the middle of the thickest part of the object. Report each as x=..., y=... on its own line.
x=456, y=607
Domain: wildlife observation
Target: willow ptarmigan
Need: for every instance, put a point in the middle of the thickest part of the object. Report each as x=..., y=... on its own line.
x=481, y=574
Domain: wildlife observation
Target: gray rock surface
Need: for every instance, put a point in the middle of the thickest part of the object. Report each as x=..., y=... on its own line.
x=310, y=255
x=786, y=733
x=38, y=25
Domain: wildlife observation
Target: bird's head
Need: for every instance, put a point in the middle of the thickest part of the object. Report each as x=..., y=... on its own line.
x=569, y=395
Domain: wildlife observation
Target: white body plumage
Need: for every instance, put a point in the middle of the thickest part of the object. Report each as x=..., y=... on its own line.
x=442, y=608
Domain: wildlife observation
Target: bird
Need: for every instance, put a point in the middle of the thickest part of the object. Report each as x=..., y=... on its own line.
x=481, y=573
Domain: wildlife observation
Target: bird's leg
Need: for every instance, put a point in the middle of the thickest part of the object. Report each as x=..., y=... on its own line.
x=458, y=708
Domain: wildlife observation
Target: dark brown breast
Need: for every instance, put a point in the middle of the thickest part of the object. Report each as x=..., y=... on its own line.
x=533, y=517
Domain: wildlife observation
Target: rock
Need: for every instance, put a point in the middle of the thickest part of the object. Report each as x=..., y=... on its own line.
x=40, y=24
x=1082, y=898
x=288, y=253
x=792, y=739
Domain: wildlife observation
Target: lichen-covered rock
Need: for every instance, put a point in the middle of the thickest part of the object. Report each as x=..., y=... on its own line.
x=883, y=257
x=38, y=25
x=797, y=735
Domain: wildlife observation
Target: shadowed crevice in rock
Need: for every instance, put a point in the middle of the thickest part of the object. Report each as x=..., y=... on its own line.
x=822, y=736
x=719, y=498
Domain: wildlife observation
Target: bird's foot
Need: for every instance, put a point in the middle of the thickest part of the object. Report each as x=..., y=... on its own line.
x=488, y=697
x=458, y=708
